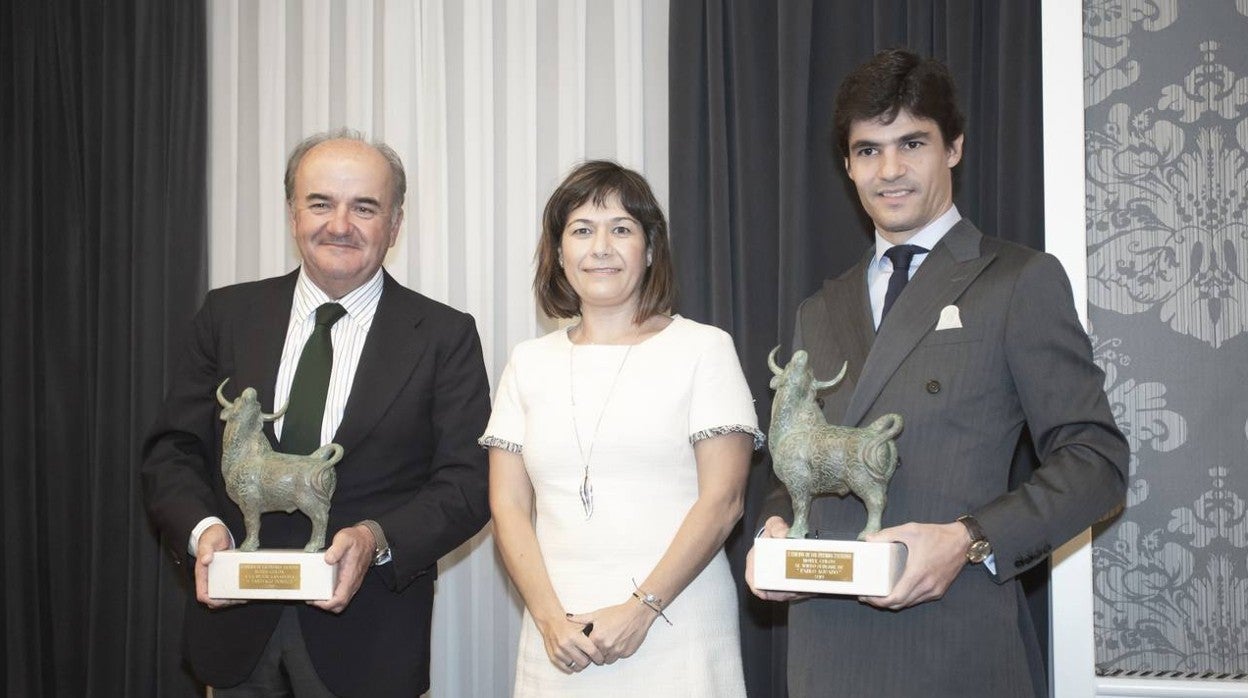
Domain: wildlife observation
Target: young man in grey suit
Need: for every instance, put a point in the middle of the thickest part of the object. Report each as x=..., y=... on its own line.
x=975, y=340
x=403, y=391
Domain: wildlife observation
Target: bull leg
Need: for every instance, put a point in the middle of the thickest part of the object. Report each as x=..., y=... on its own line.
x=874, y=497
x=801, y=512
x=320, y=521
x=251, y=519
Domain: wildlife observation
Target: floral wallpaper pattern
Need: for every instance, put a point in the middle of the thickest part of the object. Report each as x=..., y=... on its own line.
x=1166, y=139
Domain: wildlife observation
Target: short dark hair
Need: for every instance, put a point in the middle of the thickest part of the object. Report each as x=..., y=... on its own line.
x=894, y=80
x=398, y=176
x=597, y=180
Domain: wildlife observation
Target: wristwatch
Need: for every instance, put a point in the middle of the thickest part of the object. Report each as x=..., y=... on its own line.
x=980, y=547
x=381, y=547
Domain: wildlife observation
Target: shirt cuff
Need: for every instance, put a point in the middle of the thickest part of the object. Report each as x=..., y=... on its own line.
x=199, y=529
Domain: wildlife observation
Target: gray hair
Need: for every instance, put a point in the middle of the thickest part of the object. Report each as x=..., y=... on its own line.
x=398, y=176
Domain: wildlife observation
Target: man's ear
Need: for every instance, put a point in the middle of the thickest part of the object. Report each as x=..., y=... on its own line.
x=953, y=154
x=394, y=228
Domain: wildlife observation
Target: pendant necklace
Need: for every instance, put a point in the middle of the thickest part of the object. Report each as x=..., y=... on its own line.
x=587, y=489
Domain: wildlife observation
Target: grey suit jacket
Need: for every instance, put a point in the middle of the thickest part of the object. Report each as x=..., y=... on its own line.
x=1020, y=359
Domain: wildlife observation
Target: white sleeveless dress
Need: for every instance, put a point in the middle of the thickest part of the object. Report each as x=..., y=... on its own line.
x=680, y=385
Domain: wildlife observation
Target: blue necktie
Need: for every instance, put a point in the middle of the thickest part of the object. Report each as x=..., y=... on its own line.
x=900, y=256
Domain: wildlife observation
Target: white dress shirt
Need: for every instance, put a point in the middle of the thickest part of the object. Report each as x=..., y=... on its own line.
x=347, y=335
x=881, y=267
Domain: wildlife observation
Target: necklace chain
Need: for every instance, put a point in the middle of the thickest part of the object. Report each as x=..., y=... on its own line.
x=587, y=488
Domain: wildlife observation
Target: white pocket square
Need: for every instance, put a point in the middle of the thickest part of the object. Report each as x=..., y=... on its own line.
x=950, y=319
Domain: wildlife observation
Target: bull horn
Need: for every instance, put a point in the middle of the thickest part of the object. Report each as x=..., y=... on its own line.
x=823, y=385
x=220, y=397
x=771, y=361
x=275, y=415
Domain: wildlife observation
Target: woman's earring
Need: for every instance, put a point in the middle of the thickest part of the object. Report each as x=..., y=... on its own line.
x=649, y=257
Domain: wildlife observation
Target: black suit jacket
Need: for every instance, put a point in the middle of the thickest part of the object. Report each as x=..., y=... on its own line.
x=419, y=400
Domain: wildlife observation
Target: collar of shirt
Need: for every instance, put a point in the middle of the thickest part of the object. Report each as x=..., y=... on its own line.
x=349, y=335
x=881, y=268
x=927, y=238
x=360, y=304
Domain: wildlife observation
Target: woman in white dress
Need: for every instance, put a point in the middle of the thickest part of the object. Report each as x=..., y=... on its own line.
x=619, y=449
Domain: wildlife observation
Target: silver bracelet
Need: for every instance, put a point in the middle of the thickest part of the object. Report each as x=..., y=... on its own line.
x=651, y=601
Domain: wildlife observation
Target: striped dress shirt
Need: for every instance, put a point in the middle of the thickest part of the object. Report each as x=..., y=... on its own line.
x=347, y=335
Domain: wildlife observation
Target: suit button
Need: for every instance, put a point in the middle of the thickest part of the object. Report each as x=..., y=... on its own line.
x=933, y=387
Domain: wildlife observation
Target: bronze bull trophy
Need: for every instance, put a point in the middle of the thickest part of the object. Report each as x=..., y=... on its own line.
x=812, y=457
x=261, y=480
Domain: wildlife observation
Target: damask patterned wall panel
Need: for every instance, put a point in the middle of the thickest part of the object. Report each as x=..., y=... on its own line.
x=1166, y=119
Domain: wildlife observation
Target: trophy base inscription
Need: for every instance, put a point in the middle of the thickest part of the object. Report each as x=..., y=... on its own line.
x=288, y=575
x=817, y=566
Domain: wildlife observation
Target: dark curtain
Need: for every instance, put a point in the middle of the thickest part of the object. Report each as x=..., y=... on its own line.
x=761, y=209
x=103, y=119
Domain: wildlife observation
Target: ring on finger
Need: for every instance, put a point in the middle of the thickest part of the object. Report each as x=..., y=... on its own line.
x=572, y=664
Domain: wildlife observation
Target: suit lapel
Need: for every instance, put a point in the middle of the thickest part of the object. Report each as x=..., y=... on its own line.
x=954, y=263
x=262, y=329
x=391, y=351
x=849, y=313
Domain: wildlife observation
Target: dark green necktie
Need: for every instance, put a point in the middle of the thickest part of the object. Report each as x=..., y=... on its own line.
x=301, y=430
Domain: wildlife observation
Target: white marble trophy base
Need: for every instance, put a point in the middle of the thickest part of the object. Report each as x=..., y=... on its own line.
x=816, y=566
x=288, y=575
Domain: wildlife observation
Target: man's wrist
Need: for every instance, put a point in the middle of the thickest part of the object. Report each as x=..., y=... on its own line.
x=769, y=527
x=204, y=524
x=381, y=546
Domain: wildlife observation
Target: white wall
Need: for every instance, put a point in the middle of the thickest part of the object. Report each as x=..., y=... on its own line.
x=1071, y=645
x=489, y=103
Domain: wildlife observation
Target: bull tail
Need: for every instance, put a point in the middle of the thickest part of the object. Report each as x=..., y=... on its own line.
x=330, y=454
x=879, y=452
x=325, y=479
x=888, y=426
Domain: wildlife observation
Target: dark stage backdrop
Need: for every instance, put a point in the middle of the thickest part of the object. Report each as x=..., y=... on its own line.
x=103, y=254
x=761, y=210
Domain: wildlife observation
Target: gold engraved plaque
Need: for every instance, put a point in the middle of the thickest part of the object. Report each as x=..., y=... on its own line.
x=288, y=575
x=268, y=576
x=822, y=566
x=819, y=565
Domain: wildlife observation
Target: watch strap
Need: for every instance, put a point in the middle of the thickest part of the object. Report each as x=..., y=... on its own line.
x=980, y=547
x=972, y=527
x=381, y=546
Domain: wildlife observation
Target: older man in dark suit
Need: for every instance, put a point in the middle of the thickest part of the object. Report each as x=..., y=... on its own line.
x=971, y=339
x=403, y=390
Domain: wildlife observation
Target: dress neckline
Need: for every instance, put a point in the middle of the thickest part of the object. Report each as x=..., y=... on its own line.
x=568, y=340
